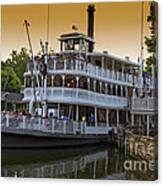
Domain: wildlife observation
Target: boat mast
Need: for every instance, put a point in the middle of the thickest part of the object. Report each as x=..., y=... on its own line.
x=35, y=93
x=29, y=39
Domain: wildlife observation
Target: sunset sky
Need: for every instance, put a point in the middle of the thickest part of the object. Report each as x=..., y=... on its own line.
x=117, y=26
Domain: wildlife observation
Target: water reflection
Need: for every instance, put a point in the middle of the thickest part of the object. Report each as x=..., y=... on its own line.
x=83, y=163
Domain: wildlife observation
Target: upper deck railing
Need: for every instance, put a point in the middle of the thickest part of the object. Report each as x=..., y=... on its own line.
x=87, y=69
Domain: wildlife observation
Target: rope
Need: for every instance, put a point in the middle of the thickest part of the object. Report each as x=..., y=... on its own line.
x=141, y=45
x=142, y=32
x=48, y=19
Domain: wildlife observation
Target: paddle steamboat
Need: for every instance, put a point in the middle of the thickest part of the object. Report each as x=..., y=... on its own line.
x=77, y=95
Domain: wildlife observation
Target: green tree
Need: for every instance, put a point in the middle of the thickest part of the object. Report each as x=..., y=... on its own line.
x=19, y=61
x=12, y=70
x=150, y=42
x=10, y=82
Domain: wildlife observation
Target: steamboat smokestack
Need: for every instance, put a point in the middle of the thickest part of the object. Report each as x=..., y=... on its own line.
x=91, y=9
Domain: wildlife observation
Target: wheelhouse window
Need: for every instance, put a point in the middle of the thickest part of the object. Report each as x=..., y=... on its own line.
x=83, y=83
x=70, y=81
x=58, y=81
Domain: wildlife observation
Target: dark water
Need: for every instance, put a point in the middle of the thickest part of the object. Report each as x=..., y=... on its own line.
x=98, y=162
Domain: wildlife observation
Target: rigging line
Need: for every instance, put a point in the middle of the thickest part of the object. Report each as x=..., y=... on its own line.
x=20, y=38
x=48, y=19
x=142, y=32
x=141, y=46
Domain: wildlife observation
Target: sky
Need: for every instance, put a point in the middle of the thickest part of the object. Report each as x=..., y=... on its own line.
x=117, y=26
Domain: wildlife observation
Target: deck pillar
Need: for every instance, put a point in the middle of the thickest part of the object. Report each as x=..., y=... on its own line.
x=64, y=127
x=77, y=112
x=7, y=120
x=107, y=118
x=140, y=120
x=100, y=87
x=77, y=86
x=127, y=120
x=58, y=110
x=102, y=62
x=117, y=118
x=65, y=64
x=45, y=86
x=55, y=64
x=71, y=64
x=113, y=69
x=122, y=91
x=42, y=84
x=63, y=80
x=111, y=89
x=77, y=81
x=39, y=123
x=126, y=91
x=77, y=64
x=52, y=80
x=88, y=83
x=132, y=119
x=63, y=83
x=53, y=124
x=95, y=116
x=24, y=119
x=106, y=88
x=122, y=71
x=94, y=85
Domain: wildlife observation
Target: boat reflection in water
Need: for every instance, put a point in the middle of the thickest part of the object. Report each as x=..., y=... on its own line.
x=77, y=163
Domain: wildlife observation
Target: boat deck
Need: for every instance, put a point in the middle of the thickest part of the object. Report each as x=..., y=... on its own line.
x=27, y=138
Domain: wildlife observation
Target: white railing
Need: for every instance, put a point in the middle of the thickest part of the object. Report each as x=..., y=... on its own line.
x=92, y=71
x=51, y=125
x=42, y=124
x=77, y=96
x=147, y=104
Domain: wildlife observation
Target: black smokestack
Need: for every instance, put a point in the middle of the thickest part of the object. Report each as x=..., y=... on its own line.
x=91, y=9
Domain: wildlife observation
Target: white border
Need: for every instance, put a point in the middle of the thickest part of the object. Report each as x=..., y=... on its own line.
x=57, y=182
x=61, y=1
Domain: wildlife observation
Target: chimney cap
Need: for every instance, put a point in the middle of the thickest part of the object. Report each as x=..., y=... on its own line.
x=91, y=7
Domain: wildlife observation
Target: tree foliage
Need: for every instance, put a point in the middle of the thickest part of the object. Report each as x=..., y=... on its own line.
x=10, y=82
x=12, y=70
x=150, y=42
